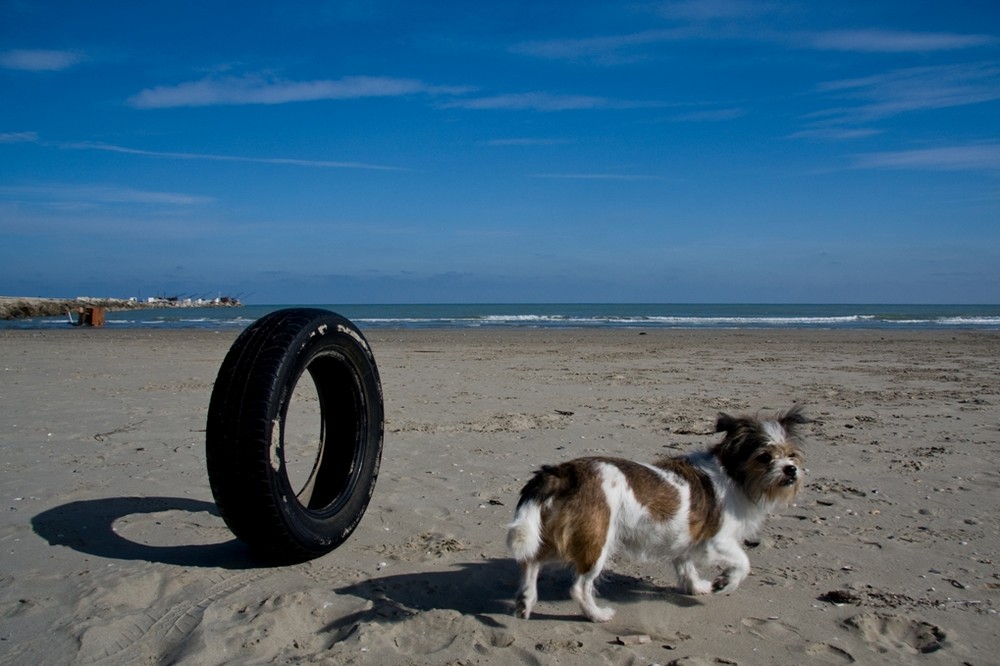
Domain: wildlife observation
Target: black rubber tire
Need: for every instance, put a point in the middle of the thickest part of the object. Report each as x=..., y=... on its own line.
x=244, y=441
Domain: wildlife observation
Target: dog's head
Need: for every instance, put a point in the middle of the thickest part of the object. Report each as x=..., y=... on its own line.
x=762, y=455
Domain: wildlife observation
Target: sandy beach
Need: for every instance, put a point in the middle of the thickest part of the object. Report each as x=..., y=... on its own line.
x=113, y=551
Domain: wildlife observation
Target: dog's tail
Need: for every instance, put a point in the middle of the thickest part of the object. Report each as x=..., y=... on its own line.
x=524, y=535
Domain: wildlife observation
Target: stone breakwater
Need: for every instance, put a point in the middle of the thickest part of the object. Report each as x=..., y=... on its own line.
x=12, y=307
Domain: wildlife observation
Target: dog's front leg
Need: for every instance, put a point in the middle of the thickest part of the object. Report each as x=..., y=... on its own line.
x=690, y=581
x=736, y=566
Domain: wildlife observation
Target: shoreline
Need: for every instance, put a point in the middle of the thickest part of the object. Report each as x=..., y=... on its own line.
x=634, y=317
x=546, y=336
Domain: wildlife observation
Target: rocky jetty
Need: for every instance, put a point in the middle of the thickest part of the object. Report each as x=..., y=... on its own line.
x=16, y=307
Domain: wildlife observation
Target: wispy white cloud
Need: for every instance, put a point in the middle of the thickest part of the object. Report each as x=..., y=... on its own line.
x=525, y=141
x=39, y=60
x=710, y=115
x=836, y=133
x=596, y=176
x=18, y=137
x=949, y=158
x=544, y=101
x=894, y=41
x=721, y=20
x=913, y=89
x=257, y=89
x=608, y=49
x=323, y=164
x=89, y=195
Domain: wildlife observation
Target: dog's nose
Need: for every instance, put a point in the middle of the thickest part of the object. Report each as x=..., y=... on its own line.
x=791, y=471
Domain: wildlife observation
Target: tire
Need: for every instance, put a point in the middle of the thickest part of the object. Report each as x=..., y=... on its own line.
x=245, y=441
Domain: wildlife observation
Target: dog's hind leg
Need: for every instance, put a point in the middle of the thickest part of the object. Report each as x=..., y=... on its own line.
x=527, y=593
x=583, y=592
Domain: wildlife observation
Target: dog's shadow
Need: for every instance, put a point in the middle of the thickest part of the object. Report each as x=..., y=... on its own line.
x=486, y=588
x=88, y=526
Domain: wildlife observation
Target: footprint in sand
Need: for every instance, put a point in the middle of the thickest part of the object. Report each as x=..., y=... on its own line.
x=560, y=645
x=824, y=653
x=771, y=629
x=777, y=631
x=446, y=635
x=889, y=633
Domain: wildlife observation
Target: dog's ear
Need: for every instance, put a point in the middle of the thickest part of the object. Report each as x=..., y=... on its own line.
x=792, y=418
x=726, y=423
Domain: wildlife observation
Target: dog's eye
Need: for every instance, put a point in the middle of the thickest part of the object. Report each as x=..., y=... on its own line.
x=764, y=458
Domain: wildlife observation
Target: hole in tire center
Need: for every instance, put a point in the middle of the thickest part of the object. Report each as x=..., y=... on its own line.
x=321, y=428
x=303, y=429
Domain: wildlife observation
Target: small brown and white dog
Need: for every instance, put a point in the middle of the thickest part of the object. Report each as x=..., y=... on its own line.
x=694, y=508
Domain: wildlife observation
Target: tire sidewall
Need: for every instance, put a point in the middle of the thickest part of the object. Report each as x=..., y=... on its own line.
x=334, y=337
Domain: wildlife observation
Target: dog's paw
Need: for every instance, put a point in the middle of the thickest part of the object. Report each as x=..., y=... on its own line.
x=723, y=584
x=522, y=610
x=696, y=587
x=598, y=614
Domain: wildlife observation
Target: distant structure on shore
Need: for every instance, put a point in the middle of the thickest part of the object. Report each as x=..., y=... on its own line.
x=15, y=307
x=179, y=302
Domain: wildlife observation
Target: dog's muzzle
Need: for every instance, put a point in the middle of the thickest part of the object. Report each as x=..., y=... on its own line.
x=791, y=475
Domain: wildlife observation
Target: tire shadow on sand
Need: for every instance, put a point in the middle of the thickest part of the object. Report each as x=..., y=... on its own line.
x=145, y=528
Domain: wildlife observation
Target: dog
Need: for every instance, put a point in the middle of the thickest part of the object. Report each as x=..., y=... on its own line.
x=690, y=509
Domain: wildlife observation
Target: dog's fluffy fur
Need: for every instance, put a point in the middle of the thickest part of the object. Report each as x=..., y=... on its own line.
x=688, y=509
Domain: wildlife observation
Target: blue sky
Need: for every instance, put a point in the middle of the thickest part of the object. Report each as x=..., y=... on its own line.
x=382, y=152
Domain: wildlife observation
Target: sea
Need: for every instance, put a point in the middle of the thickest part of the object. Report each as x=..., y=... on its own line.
x=570, y=315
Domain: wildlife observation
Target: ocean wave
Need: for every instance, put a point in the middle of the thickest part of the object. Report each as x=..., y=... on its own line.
x=616, y=321
x=969, y=321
